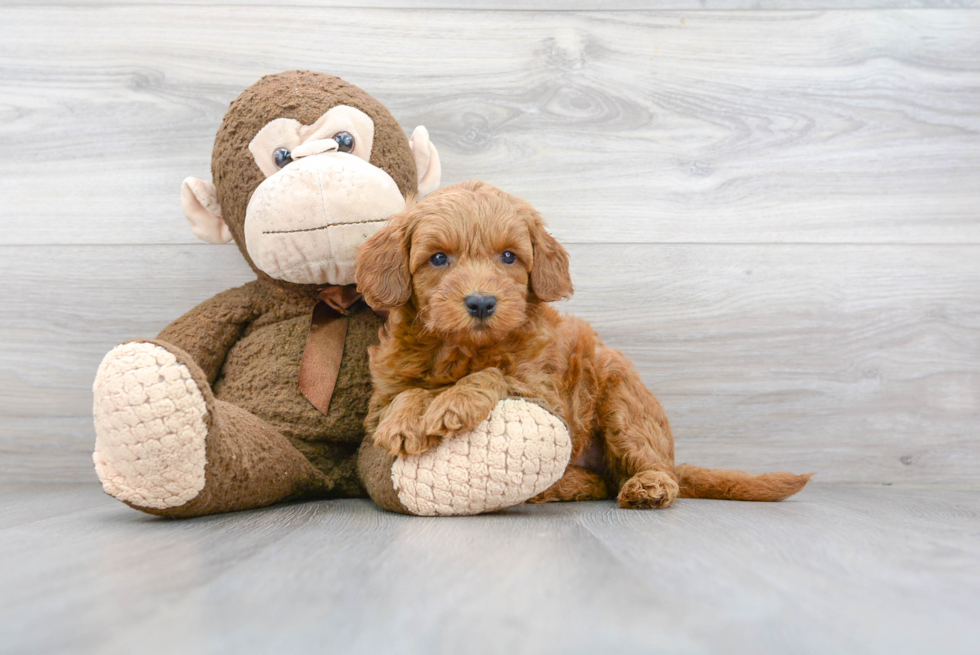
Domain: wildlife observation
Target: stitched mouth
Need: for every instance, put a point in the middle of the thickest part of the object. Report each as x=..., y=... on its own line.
x=323, y=227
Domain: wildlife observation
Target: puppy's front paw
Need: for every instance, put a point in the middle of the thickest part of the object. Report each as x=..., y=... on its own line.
x=649, y=489
x=401, y=437
x=456, y=411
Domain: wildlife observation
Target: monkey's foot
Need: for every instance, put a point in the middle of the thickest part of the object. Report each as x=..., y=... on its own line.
x=151, y=422
x=515, y=454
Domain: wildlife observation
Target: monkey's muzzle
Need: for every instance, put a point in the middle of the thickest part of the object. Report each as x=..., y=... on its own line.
x=305, y=223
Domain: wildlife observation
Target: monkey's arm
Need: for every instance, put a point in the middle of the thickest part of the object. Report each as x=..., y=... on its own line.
x=208, y=331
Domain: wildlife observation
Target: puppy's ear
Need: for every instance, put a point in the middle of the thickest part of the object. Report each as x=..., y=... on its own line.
x=383, y=276
x=550, y=279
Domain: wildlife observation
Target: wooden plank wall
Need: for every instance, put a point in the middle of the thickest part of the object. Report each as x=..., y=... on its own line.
x=775, y=213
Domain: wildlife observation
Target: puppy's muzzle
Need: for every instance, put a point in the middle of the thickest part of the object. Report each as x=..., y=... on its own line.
x=480, y=306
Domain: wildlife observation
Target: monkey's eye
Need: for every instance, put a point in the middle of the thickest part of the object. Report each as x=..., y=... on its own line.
x=439, y=260
x=345, y=141
x=508, y=257
x=282, y=157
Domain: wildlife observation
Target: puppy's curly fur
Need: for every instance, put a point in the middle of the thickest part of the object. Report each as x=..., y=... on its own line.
x=444, y=363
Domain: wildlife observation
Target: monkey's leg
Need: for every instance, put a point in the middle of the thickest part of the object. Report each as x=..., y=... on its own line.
x=512, y=456
x=164, y=444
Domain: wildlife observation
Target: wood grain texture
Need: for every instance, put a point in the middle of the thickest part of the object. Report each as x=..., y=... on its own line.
x=860, y=362
x=775, y=214
x=541, y=5
x=799, y=192
x=837, y=569
x=654, y=127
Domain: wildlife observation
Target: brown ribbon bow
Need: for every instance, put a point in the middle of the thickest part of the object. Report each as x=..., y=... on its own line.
x=325, y=344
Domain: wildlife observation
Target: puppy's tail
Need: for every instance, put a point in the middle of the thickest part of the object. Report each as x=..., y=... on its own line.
x=724, y=484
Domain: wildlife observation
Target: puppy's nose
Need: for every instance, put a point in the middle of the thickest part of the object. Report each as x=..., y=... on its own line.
x=480, y=306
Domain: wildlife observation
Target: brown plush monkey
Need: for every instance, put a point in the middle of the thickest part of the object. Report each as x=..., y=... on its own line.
x=258, y=395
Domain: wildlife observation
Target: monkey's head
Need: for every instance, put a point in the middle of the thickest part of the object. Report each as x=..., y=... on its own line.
x=306, y=167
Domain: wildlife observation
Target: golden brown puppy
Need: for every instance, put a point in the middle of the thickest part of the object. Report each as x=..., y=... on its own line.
x=467, y=275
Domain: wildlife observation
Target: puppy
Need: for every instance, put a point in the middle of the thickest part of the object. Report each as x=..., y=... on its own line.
x=467, y=276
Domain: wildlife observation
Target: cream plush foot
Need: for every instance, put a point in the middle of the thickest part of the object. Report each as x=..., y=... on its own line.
x=151, y=422
x=515, y=454
x=164, y=445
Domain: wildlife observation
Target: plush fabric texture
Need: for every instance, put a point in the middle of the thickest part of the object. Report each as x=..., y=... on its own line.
x=516, y=453
x=305, y=140
x=199, y=200
x=245, y=463
x=259, y=332
x=285, y=232
x=261, y=374
x=374, y=470
x=303, y=96
x=151, y=420
x=209, y=417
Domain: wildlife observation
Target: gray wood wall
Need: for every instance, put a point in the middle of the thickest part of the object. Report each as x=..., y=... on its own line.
x=775, y=213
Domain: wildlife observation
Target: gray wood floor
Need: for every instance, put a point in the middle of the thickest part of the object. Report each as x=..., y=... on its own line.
x=838, y=569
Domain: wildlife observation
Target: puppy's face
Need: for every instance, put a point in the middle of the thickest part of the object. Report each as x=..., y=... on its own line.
x=469, y=258
x=470, y=271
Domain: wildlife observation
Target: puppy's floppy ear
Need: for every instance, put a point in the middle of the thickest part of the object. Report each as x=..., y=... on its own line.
x=550, y=279
x=383, y=276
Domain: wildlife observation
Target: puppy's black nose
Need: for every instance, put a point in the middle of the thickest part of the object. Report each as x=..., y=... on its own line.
x=480, y=306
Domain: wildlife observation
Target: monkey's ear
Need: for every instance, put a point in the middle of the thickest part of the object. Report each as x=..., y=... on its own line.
x=199, y=200
x=550, y=277
x=426, y=161
x=383, y=276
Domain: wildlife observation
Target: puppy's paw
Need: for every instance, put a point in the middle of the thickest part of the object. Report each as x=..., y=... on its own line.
x=456, y=411
x=648, y=489
x=400, y=437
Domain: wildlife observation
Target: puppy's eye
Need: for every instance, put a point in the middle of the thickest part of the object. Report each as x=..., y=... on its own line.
x=508, y=257
x=439, y=259
x=345, y=141
x=282, y=157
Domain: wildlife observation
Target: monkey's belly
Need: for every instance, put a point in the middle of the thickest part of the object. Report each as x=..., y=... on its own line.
x=261, y=374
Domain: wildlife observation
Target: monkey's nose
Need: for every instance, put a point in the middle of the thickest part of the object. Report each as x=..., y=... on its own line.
x=480, y=306
x=313, y=148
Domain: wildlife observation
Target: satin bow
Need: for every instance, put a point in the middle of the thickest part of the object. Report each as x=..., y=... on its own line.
x=324, y=349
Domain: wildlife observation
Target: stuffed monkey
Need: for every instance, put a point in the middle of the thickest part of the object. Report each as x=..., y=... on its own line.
x=259, y=394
